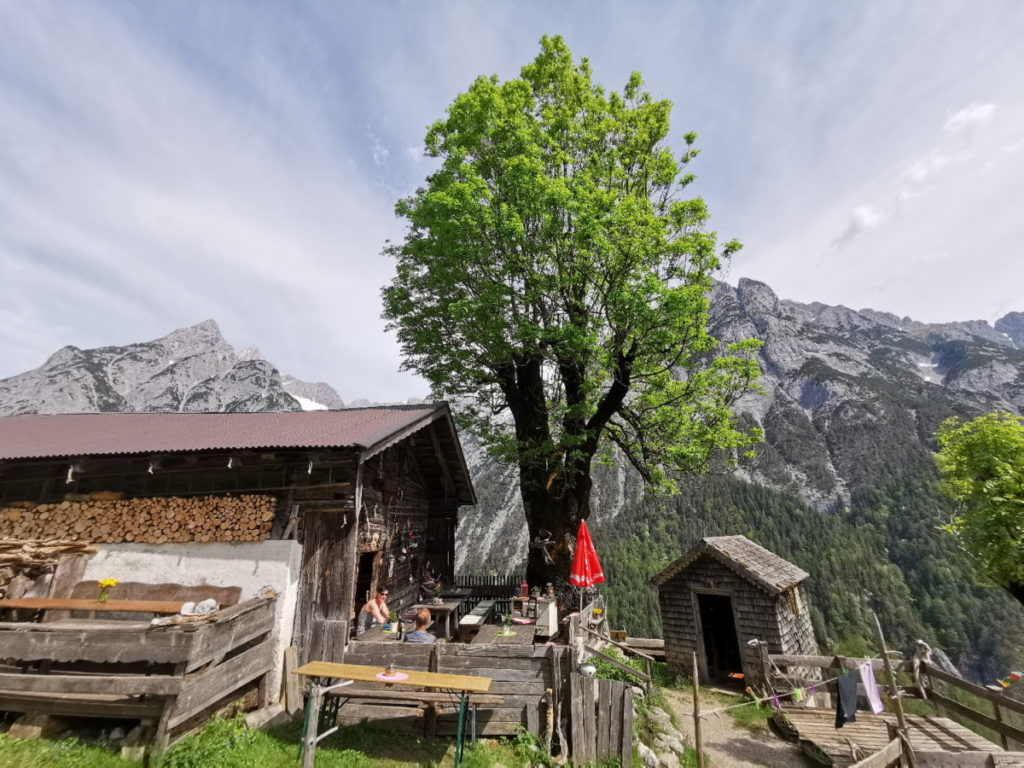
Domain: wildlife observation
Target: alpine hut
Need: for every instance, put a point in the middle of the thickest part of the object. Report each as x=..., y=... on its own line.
x=722, y=595
x=285, y=521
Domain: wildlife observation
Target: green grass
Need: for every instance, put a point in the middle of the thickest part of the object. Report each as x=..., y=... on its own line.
x=36, y=753
x=225, y=743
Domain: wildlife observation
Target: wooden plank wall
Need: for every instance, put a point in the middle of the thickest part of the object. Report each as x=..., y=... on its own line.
x=396, y=504
x=602, y=720
x=521, y=675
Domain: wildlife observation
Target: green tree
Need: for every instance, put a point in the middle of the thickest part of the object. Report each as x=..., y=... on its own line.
x=981, y=464
x=552, y=270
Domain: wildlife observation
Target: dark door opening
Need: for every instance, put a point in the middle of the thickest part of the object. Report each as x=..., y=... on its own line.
x=364, y=578
x=721, y=644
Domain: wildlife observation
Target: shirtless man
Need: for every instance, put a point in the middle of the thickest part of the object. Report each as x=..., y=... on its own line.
x=375, y=611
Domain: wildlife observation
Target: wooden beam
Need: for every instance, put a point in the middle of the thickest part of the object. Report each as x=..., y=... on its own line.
x=123, y=685
x=617, y=644
x=890, y=753
x=449, y=481
x=116, y=707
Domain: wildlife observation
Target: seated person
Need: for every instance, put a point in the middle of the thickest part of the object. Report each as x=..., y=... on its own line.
x=374, y=612
x=419, y=632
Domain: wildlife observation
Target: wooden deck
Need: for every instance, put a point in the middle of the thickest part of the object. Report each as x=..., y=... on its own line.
x=830, y=746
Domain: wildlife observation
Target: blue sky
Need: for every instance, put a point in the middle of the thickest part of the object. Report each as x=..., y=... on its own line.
x=166, y=162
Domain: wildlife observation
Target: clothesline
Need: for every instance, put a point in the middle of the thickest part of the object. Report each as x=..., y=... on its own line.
x=774, y=698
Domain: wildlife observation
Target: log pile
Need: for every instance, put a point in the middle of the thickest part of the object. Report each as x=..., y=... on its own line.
x=163, y=520
x=28, y=560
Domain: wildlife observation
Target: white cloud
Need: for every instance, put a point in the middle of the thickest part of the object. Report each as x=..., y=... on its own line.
x=164, y=163
x=971, y=117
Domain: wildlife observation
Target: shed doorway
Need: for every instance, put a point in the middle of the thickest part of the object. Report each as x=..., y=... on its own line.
x=719, y=638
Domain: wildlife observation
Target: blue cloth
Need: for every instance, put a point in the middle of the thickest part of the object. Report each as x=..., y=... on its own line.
x=419, y=637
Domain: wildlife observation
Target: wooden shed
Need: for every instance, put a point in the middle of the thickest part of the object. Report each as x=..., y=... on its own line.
x=725, y=593
x=322, y=506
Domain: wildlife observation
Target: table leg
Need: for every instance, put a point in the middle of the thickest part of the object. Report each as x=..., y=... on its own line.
x=459, y=735
x=311, y=725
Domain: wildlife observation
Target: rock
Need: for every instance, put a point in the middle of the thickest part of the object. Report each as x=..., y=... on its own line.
x=638, y=692
x=668, y=760
x=661, y=719
x=667, y=743
x=647, y=756
x=117, y=734
x=36, y=726
x=190, y=369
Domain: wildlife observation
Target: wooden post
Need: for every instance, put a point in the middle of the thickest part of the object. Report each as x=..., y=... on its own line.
x=698, y=744
x=766, y=666
x=900, y=716
x=998, y=713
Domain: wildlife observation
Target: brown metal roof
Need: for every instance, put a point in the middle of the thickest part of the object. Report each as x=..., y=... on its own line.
x=751, y=560
x=97, y=434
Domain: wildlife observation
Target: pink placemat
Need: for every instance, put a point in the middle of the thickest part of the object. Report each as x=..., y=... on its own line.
x=392, y=678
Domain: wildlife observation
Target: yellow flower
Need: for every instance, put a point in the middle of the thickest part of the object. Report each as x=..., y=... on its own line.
x=108, y=583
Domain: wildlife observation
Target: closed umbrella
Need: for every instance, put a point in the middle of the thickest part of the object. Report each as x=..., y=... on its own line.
x=586, y=568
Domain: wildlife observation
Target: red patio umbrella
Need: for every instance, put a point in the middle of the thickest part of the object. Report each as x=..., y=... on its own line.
x=586, y=568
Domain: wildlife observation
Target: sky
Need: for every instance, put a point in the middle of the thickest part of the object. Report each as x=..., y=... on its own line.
x=162, y=163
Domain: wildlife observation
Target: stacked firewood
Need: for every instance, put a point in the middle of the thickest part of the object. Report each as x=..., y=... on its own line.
x=28, y=560
x=158, y=520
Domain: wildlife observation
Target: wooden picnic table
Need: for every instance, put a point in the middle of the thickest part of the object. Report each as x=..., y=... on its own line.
x=492, y=633
x=464, y=685
x=74, y=604
x=445, y=613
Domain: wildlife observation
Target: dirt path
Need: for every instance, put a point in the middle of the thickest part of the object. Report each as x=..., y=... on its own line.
x=730, y=745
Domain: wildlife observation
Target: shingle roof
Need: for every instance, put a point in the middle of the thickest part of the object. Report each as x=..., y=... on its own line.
x=750, y=560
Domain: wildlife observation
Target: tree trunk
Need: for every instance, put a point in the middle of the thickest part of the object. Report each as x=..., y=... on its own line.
x=554, y=507
x=1016, y=589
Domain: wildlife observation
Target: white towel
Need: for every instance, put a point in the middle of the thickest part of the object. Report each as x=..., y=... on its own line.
x=867, y=677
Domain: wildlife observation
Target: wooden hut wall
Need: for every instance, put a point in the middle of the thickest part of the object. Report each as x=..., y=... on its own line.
x=794, y=619
x=396, y=505
x=756, y=613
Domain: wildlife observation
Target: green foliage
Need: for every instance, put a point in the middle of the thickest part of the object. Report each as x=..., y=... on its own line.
x=522, y=749
x=608, y=671
x=981, y=463
x=551, y=268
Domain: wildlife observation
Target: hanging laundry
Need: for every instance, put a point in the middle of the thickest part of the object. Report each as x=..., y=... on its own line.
x=846, y=700
x=798, y=694
x=867, y=676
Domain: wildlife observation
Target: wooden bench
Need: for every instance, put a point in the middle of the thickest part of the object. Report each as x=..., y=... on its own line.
x=476, y=618
x=71, y=604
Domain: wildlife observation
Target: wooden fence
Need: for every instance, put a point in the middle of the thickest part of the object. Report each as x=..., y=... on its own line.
x=602, y=720
x=898, y=753
x=946, y=690
x=500, y=588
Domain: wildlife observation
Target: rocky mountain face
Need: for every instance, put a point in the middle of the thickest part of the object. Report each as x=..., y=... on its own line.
x=190, y=369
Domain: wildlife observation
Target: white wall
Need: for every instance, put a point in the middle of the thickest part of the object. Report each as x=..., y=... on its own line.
x=249, y=565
